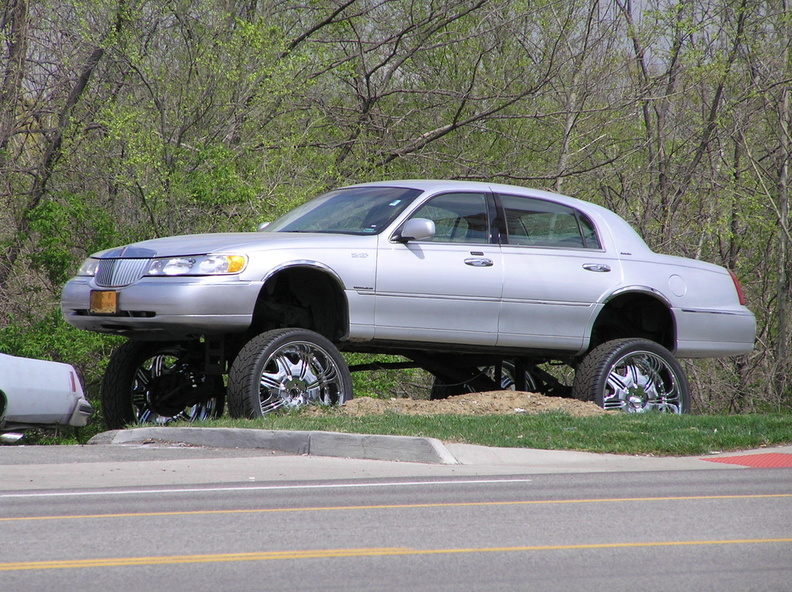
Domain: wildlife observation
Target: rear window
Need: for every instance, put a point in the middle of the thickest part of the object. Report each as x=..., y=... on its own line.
x=541, y=223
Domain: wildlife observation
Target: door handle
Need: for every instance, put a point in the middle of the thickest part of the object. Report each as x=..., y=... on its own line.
x=479, y=262
x=598, y=267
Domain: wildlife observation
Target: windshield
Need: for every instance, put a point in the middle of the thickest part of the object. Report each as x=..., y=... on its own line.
x=354, y=210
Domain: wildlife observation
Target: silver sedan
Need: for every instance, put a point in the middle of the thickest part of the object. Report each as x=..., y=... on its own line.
x=478, y=283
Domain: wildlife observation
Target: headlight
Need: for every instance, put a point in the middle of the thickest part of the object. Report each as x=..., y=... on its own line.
x=197, y=265
x=88, y=267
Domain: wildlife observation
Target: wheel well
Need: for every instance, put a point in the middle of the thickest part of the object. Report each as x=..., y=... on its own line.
x=635, y=315
x=302, y=297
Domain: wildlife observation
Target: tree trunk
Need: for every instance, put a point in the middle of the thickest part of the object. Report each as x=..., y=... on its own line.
x=51, y=149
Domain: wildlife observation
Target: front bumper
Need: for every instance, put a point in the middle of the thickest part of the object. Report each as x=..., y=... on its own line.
x=165, y=307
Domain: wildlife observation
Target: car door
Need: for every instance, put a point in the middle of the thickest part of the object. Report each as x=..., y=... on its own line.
x=445, y=289
x=556, y=273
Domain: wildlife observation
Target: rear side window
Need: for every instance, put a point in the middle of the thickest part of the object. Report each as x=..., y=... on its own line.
x=540, y=223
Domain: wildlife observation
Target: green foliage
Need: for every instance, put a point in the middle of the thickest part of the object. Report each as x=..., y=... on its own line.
x=52, y=255
x=386, y=383
x=66, y=230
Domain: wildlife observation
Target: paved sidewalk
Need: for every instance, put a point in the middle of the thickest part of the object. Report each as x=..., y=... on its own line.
x=420, y=450
x=186, y=457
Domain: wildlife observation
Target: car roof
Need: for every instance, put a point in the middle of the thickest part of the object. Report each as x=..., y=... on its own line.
x=625, y=235
x=437, y=185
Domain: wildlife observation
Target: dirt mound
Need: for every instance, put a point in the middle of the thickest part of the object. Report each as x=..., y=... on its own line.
x=487, y=403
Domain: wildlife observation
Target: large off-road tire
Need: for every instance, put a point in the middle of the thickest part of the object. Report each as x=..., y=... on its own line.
x=287, y=368
x=632, y=375
x=151, y=382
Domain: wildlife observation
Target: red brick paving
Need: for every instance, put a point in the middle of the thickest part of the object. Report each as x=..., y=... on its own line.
x=769, y=460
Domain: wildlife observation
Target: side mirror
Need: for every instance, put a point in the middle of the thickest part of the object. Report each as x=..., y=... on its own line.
x=262, y=226
x=417, y=229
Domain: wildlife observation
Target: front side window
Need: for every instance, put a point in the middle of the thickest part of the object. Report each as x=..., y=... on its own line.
x=458, y=217
x=542, y=223
x=352, y=210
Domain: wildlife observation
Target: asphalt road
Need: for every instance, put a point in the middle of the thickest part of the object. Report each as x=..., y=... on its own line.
x=153, y=517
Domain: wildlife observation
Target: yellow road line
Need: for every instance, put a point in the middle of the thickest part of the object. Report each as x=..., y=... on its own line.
x=338, y=553
x=401, y=506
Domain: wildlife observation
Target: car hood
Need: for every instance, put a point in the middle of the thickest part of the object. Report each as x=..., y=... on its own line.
x=202, y=244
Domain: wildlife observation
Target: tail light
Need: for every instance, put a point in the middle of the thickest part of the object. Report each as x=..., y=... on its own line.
x=737, y=287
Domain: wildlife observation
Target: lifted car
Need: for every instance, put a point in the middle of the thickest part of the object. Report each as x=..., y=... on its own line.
x=478, y=283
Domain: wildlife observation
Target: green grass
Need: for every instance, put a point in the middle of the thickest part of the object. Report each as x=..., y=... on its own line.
x=634, y=434
x=650, y=434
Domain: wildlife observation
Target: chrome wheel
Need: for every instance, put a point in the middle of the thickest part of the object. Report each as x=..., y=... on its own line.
x=164, y=390
x=642, y=381
x=507, y=378
x=287, y=369
x=151, y=382
x=442, y=388
x=297, y=374
x=632, y=375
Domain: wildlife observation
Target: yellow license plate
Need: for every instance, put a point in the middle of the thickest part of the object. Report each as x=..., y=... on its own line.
x=104, y=302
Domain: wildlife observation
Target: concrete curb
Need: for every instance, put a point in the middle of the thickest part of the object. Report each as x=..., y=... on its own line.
x=333, y=444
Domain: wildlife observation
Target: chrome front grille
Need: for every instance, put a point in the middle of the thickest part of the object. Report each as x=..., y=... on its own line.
x=113, y=273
